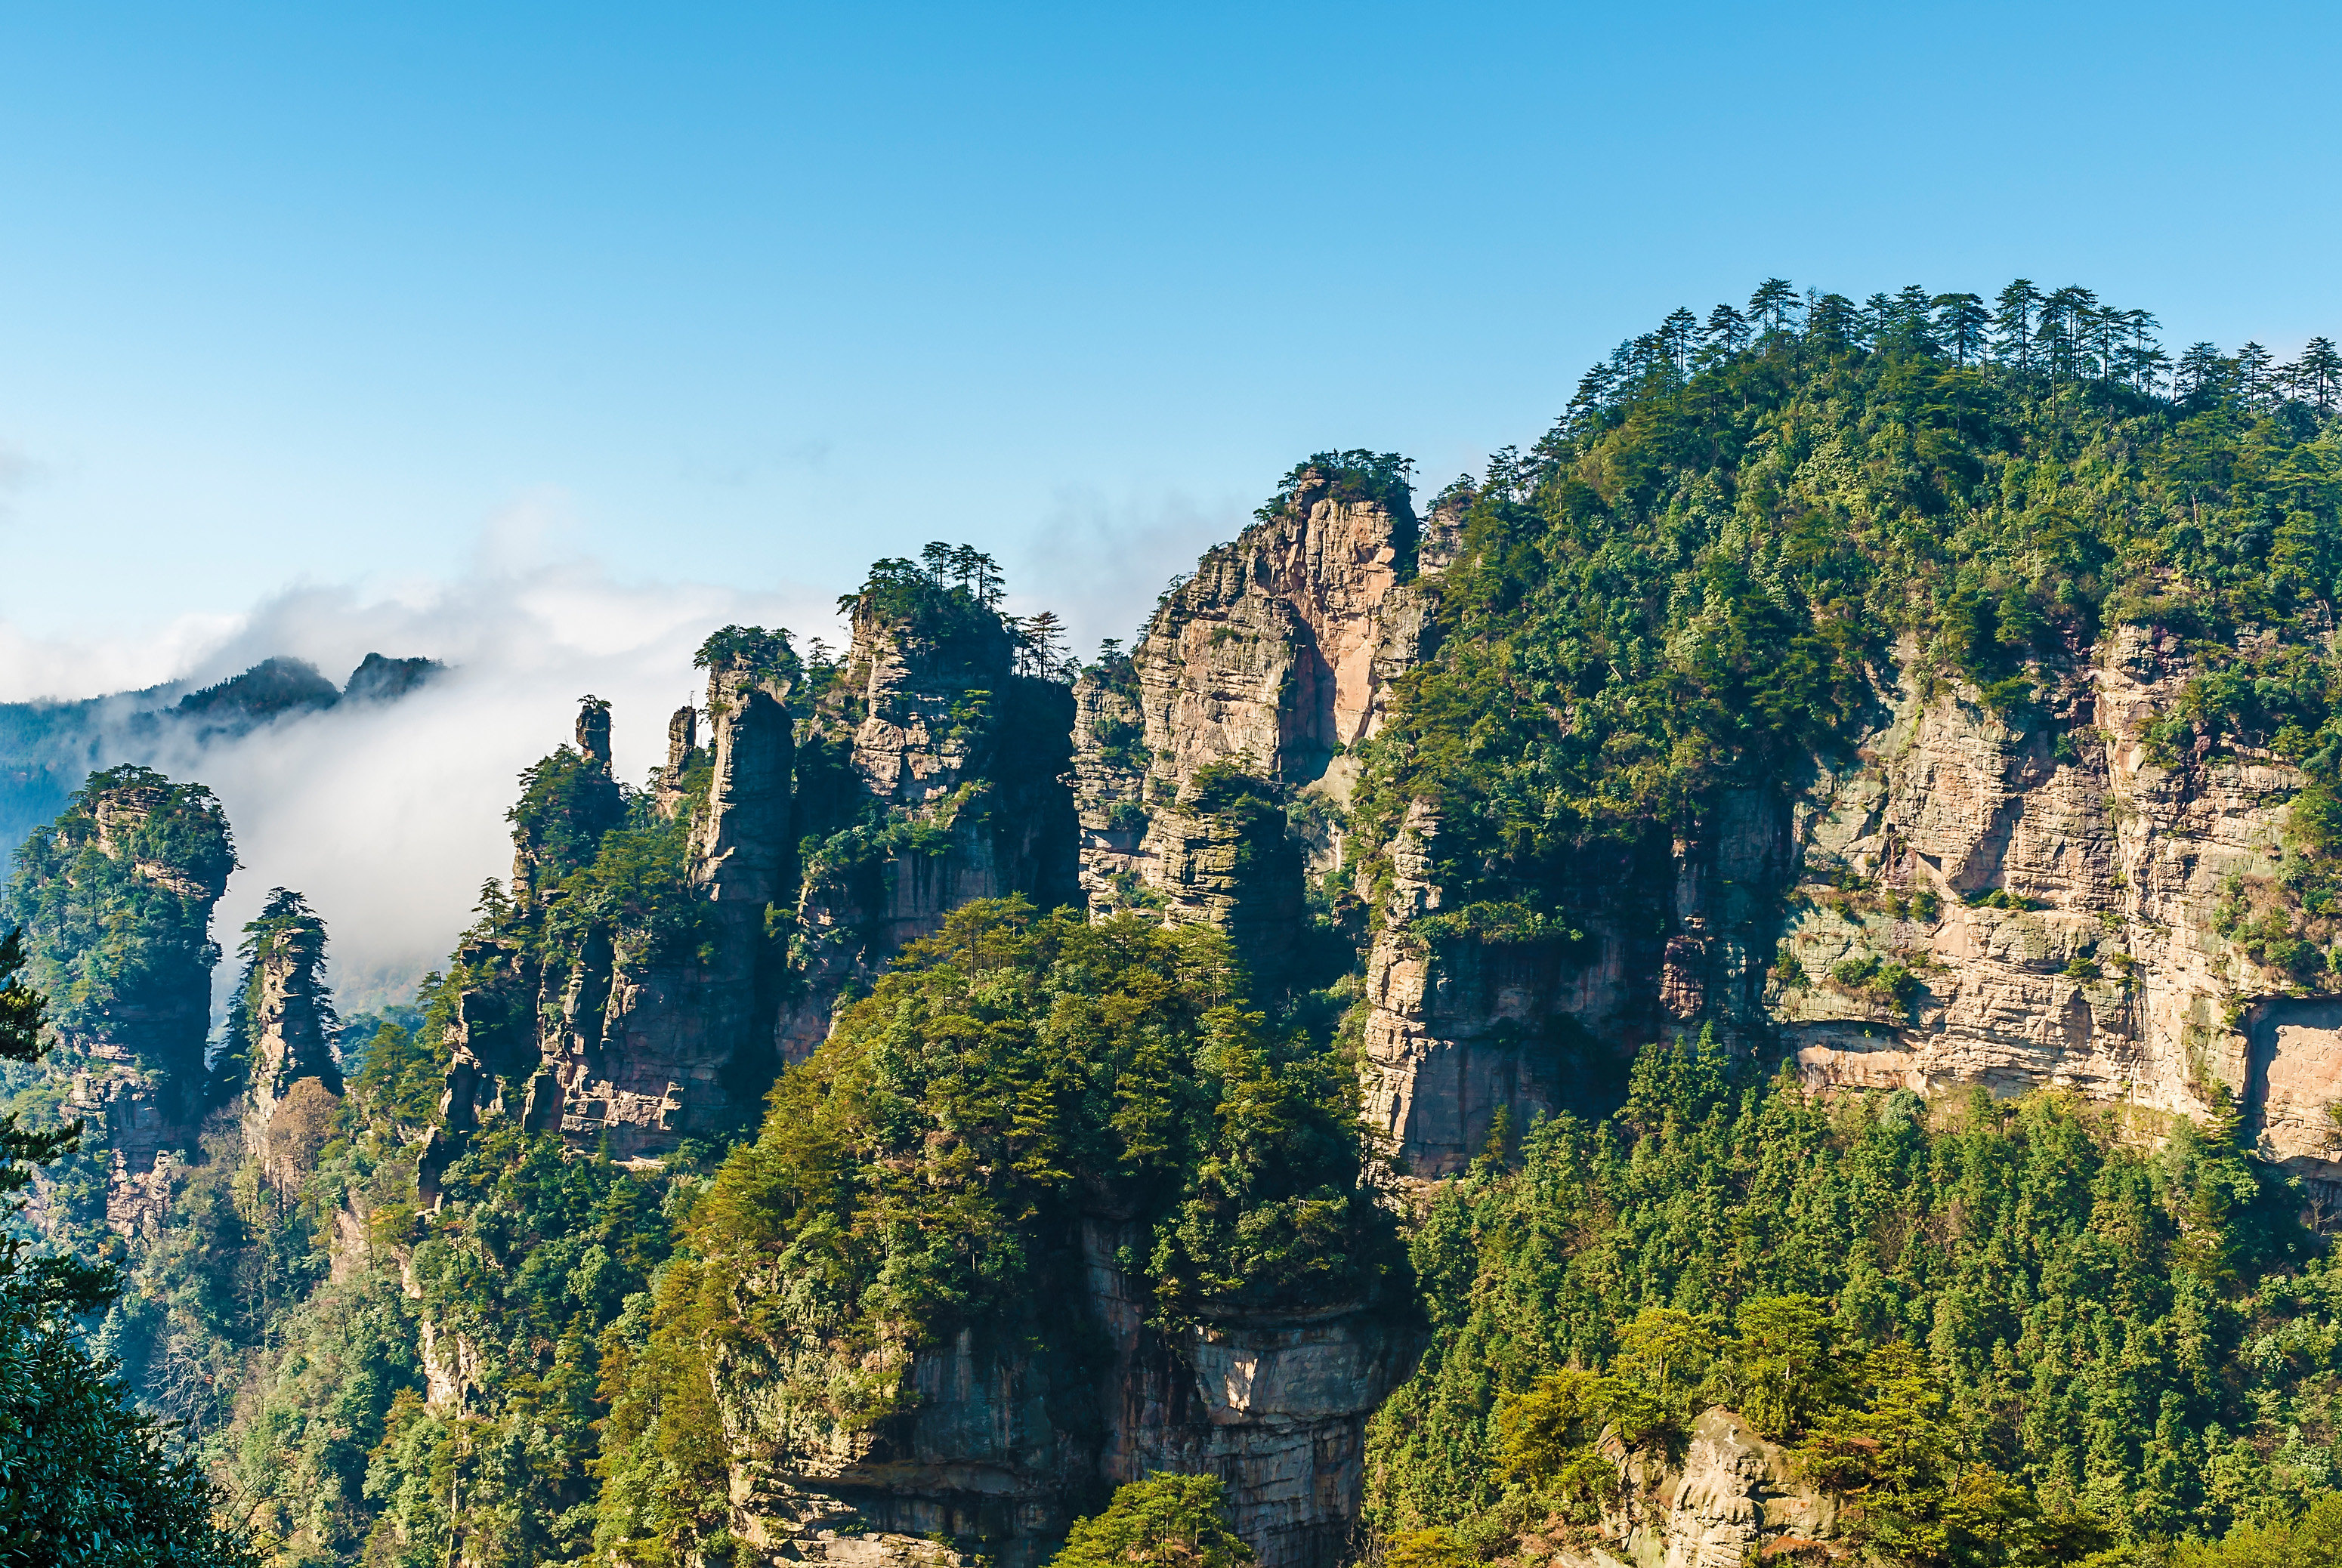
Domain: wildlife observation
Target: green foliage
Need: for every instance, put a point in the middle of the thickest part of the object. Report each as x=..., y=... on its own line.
x=637, y=889
x=930, y=1170
x=530, y=1259
x=85, y=1479
x=1164, y=1521
x=753, y=650
x=2314, y=1539
x=957, y=619
x=1383, y=479
x=289, y=935
x=103, y=937
x=1919, y=1304
x=567, y=801
x=1685, y=583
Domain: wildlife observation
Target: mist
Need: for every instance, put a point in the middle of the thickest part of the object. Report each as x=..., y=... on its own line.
x=389, y=815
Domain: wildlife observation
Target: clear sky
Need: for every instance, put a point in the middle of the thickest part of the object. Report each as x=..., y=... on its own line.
x=748, y=296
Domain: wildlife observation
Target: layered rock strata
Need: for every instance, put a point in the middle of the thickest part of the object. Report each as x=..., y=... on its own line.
x=948, y=786
x=2074, y=890
x=2057, y=895
x=143, y=861
x=1004, y=1443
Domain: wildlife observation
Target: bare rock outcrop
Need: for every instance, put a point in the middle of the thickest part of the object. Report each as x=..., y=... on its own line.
x=1733, y=1498
x=2055, y=897
x=996, y=1441
x=281, y=1029
x=952, y=790
x=1267, y=666
x=142, y=860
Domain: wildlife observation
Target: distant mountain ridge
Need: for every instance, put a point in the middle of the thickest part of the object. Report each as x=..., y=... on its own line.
x=47, y=748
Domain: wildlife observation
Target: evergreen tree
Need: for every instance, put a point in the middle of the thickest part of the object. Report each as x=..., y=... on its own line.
x=1676, y=334
x=1774, y=306
x=1726, y=334
x=2256, y=374
x=2012, y=317
x=2316, y=376
x=1041, y=645
x=1960, y=322
x=2201, y=370
x=85, y=1481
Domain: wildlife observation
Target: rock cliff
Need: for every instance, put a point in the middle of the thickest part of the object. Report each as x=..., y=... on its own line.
x=1733, y=1498
x=2058, y=901
x=941, y=782
x=999, y=1442
x=2045, y=901
x=663, y=954
x=116, y=898
x=281, y=1029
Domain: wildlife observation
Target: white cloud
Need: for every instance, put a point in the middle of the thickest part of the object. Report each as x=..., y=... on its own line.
x=1100, y=563
x=388, y=816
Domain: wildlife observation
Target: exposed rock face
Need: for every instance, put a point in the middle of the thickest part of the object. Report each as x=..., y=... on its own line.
x=2108, y=976
x=1109, y=782
x=287, y=1023
x=1672, y=934
x=953, y=790
x=1268, y=664
x=2098, y=966
x=143, y=861
x=927, y=775
x=1734, y=1498
x=1004, y=1443
x=625, y=1037
x=1282, y=647
x=654, y=1045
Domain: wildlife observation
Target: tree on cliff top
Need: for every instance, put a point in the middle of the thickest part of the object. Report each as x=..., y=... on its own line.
x=1162, y=1521
x=115, y=898
x=84, y=1479
x=930, y=1170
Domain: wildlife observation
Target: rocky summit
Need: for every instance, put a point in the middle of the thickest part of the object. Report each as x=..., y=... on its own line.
x=1759, y=980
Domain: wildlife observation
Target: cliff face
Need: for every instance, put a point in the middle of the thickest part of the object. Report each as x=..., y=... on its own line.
x=634, y=1025
x=2103, y=968
x=1000, y=1442
x=287, y=1023
x=642, y=999
x=951, y=789
x=116, y=898
x=2099, y=962
x=280, y=1032
x=1267, y=666
x=1733, y=1498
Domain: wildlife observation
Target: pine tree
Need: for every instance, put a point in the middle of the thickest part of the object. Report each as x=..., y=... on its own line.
x=1041, y=645
x=1726, y=334
x=2201, y=370
x=1676, y=333
x=1834, y=319
x=1960, y=323
x=2255, y=374
x=1773, y=304
x=2013, y=324
x=2316, y=376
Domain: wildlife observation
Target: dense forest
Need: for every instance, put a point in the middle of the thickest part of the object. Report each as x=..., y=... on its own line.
x=2017, y=1331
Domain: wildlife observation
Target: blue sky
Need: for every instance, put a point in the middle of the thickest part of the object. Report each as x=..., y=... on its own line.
x=749, y=295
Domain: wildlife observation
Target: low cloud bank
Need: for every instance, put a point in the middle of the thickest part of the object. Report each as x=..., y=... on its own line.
x=389, y=815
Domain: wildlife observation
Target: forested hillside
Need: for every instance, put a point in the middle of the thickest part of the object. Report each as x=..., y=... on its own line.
x=1759, y=979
